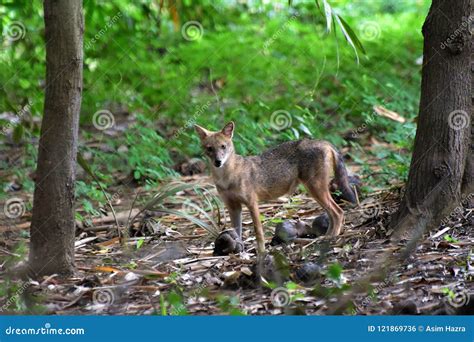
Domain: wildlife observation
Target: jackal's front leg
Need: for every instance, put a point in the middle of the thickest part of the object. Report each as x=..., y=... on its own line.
x=253, y=207
x=235, y=213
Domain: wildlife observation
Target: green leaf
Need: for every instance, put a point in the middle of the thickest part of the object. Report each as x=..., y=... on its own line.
x=450, y=239
x=350, y=36
x=328, y=13
x=317, y=4
x=140, y=243
x=25, y=84
x=163, y=305
x=335, y=271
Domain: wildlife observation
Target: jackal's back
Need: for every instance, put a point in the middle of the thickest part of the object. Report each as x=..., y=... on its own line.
x=278, y=170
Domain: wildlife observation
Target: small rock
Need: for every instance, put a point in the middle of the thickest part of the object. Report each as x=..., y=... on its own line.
x=319, y=227
x=122, y=149
x=285, y=232
x=273, y=268
x=407, y=307
x=309, y=271
x=228, y=242
x=191, y=167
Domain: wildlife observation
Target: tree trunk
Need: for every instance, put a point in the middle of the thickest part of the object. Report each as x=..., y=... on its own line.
x=441, y=167
x=53, y=226
x=468, y=181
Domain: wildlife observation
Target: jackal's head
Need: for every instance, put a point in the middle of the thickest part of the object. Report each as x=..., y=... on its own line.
x=217, y=146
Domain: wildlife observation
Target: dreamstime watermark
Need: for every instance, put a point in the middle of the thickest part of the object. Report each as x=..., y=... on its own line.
x=14, y=208
x=192, y=208
x=369, y=298
x=459, y=298
x=103, y=30
x=200, y=204
x=453, y=37
x=23, y=110
x=14, y=31
x=181, y=308
x=116, y=196
x=361, y=129
x=280, y=297
x=280, y=120
x=13, y=299
x=269, y=42
x=371, y=211
x=408, y=135
x=46, y=330
x=369, y=30
x=192, y=121
x=458, y=120
x=192, y=30
x=104, y=296
x=459, y=209
x=103, y=119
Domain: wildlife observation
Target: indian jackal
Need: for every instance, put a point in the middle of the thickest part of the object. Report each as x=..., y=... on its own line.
x=277, y=171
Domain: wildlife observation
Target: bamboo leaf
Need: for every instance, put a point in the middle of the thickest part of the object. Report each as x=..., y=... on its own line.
x=328, y=13
x=318, y=5
x=350, y=35
x=337, y=45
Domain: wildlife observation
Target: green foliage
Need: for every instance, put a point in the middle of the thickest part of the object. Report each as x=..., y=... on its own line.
x=229, y=305
x=334, y=272
x=175, y=302
x=140, y=243
x=14, y=295
x=251, y=61
x=450, y=239
x=147, y=156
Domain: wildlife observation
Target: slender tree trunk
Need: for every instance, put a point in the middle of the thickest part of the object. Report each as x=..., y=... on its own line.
x=53, y=226
x=441, y=167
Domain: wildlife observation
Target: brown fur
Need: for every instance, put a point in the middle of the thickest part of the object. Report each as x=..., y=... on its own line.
x=277, y=171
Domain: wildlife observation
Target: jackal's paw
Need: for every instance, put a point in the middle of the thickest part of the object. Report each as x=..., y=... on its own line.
x=228, y=242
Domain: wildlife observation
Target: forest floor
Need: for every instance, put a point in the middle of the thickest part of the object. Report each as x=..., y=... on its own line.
x=167, y=266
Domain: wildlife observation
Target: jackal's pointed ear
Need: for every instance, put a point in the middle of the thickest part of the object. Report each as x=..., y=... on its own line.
x=202, y=132
x=228, y=130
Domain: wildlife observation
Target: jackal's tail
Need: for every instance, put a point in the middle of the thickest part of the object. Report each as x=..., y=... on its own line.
x=342, y=180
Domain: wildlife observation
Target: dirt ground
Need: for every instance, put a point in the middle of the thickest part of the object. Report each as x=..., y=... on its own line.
x=167, y=266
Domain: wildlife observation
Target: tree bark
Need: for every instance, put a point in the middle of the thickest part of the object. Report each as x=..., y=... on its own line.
x=441, y=167
x=53, y=226
x=468, y=180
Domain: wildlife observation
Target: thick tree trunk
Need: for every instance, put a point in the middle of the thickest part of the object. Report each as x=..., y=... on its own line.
x=52, y=227
x=468, y=181
x=440, y=172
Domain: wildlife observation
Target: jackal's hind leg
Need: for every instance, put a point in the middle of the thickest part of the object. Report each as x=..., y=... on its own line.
x=320, y=192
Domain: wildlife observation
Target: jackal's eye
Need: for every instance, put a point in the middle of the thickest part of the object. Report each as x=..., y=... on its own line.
x=209, y=149
x=223, y=147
